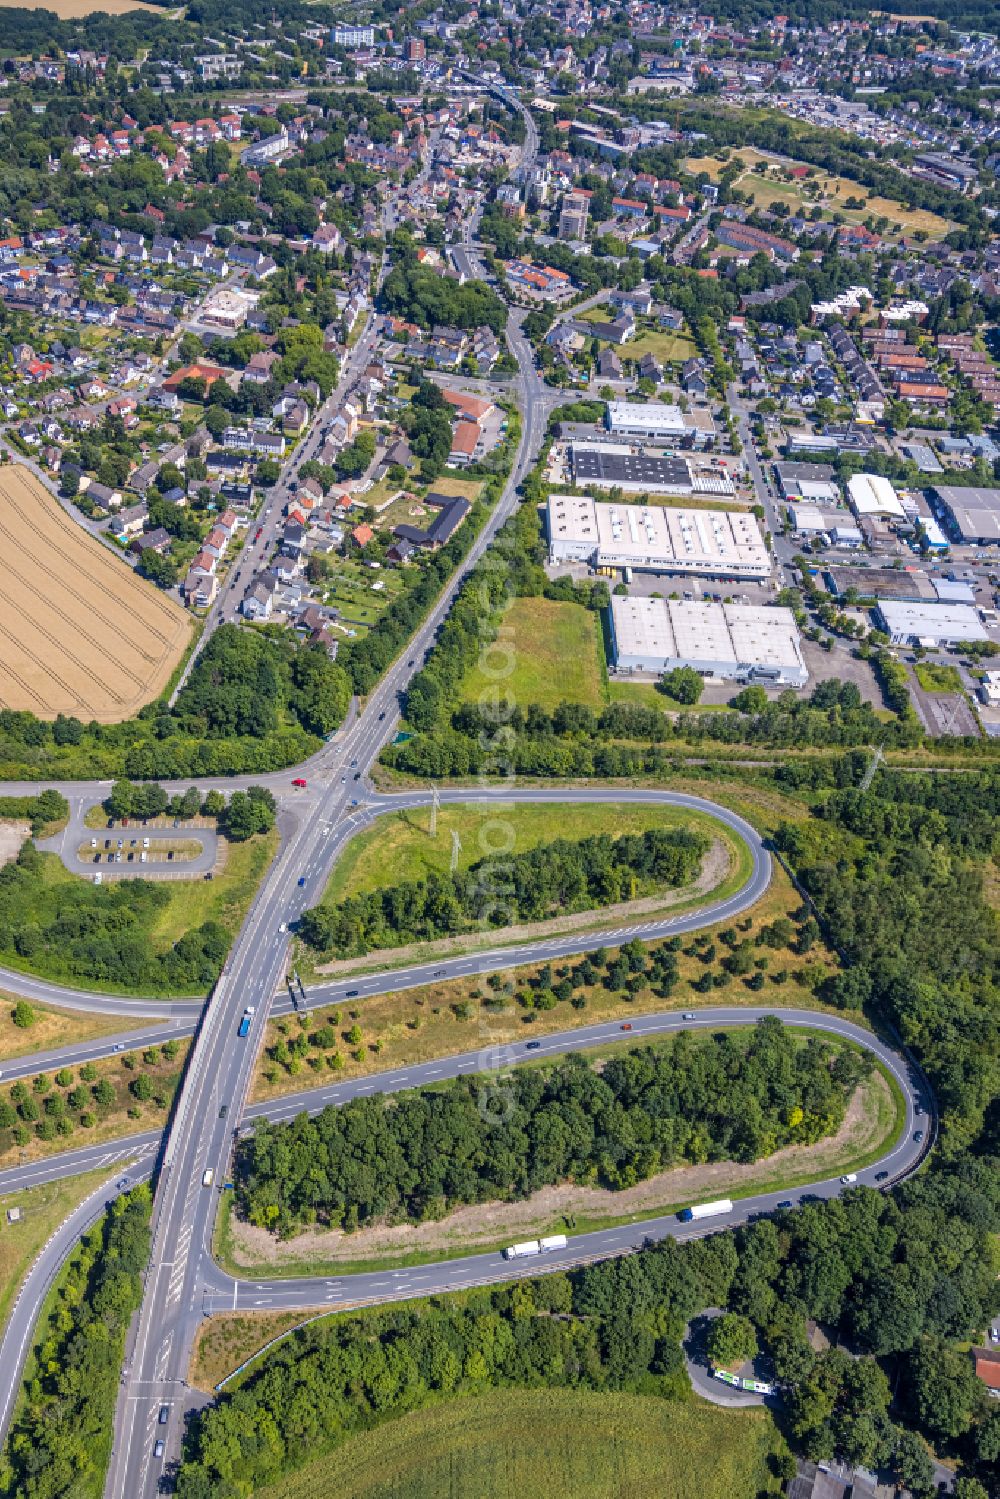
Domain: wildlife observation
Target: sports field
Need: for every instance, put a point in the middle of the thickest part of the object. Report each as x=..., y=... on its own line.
x=534, y=1444
x=80, y=633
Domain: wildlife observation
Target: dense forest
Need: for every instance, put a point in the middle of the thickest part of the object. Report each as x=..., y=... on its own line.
x=553, y=879
x=896, y=876
x=890, y=1277
x=60, y=1439
x=419, y=295
x=576, y=740
x=417, y=1154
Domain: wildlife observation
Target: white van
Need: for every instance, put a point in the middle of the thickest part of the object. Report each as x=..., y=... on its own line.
x=208, y=1177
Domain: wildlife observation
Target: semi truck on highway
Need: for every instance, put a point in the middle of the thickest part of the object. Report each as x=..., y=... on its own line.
x=535, y=1246
x=705, y=1210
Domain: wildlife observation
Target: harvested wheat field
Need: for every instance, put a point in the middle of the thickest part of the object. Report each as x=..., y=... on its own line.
x=74, y=10
x=80, y=633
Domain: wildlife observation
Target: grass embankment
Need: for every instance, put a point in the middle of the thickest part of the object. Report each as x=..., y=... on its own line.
x=533, y=1444
x=440, y=1019
x=223, y=1342
x=104, y=1100
x=874, y=1120
x=42, y=1210
x=52, y=1027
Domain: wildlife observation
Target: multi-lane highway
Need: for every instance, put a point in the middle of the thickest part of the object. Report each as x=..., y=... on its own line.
x=219, y=1067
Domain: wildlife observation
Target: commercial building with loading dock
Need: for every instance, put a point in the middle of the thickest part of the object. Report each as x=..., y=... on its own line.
x=655, y=538
x=732, y=642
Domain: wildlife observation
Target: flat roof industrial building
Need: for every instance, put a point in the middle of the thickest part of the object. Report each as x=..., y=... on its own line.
x=656, y=538
x=974, y=514
x=653, y=421
x=910, y=584
x=734, y=642
x=616, y=465
x=594, y=464
x=934, y=624
x=807, y=481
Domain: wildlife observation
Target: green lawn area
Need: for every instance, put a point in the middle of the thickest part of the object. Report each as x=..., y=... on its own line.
x=42, y=1210
x=662, y=344
x=400, y=846
x=938, y=678
x=350, y=589
x=536, y=1444
x=557, y=652
x=224, y=899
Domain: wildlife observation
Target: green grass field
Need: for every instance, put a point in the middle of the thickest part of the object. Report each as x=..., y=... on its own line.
x=42, y=1210
x=938, y=678
x=557, y=654
x=829, y=191
x=521, y=1444
x=400, y=847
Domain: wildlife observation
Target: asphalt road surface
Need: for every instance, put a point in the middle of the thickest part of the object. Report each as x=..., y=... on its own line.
x=183, y=1283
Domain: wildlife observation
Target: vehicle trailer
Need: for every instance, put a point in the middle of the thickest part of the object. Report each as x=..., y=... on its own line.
x=535, y=1246
x=705, y=1210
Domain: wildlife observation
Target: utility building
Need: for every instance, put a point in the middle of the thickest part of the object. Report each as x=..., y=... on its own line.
x=732, y=642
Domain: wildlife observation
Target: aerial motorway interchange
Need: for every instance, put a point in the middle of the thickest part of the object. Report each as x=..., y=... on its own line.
x=324, y=804
x=781, y=1041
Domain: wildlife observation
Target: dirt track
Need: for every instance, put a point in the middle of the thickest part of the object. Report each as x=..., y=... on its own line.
x=80, y=633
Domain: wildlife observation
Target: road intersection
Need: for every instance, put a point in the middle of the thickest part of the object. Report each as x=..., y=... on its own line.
x=183, y=1282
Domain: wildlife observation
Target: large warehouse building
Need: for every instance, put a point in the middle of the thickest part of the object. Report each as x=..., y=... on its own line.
x=656, y=538
x=615, y=465
x=929, y=624
x=973, y=515
x=734, y=642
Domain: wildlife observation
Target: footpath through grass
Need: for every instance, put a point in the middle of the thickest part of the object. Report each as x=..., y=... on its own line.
x=536, y=1444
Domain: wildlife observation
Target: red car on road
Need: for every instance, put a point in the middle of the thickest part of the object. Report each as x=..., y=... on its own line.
x=299, y=781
